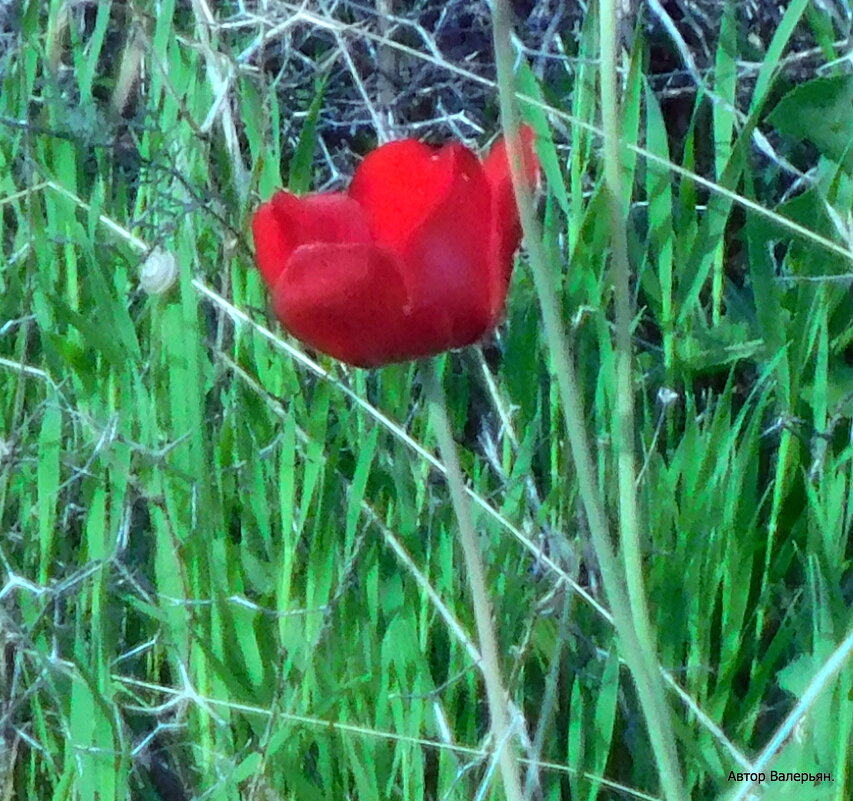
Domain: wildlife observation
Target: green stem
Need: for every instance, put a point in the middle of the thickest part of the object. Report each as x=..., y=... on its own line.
x=638, y=648
x=495, y=693
x=663, y=737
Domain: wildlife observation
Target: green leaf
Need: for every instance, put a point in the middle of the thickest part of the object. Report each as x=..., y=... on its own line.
x=534, y=114
x=303, y=158
x=820, y=111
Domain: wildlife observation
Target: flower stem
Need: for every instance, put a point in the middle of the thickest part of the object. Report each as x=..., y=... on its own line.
x=495, y=692
x=636, y=642
x=656, y=710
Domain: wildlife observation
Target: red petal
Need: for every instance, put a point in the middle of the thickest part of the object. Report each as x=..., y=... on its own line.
x=448, y=268
x=348, y=301
x=397, y=185
x=286, y=222
x=507, y=227
x=496, y=164
x=273, y=245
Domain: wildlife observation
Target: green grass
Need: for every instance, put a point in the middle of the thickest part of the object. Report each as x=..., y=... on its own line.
x=226, y=563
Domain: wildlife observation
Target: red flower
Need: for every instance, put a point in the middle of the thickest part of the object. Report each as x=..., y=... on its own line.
x=413, y=260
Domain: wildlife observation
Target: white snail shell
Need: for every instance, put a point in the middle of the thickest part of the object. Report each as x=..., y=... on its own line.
x=159, y=271
x=667, y=396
